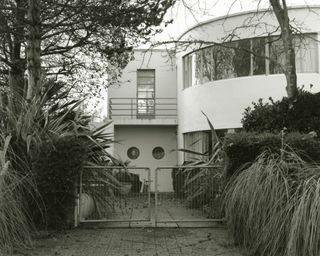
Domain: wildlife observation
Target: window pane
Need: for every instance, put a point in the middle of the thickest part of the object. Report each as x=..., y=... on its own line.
x=198, y=63
x=306, y=54
x=198, y=142
x=145, y=106
x=146, y=94
x=146, y=73
x=190, y=68
x=226, y=57
x=241, y=60
x=207, y=65
x=277, y=60
x=222, y=61
x=187, y=73
x=146, y=80
x=259, y=60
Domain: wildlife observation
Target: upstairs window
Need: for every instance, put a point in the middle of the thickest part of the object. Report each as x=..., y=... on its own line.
x=145, y=93
x=256, y=56
x=187, y=71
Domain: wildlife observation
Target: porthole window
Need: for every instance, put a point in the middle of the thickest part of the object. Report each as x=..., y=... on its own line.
x=158, y=153
x=133, y=153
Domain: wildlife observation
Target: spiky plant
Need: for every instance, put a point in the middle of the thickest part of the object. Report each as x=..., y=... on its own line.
x=272, y=207
x=203, y=186
x=15, y=226
x=49, y=116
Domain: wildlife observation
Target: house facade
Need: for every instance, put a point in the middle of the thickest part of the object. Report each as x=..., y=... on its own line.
x=158, y=106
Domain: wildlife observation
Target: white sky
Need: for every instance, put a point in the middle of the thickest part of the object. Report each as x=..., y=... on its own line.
x=201, y=10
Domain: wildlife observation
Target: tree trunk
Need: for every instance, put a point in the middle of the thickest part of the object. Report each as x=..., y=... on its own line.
x=18, y=67
x=33, y=48
x=281, y=12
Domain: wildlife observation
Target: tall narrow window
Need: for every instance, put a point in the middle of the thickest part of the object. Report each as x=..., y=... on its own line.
x=277, y=57
x=187, y=71
x=258, y=50
x=242, y=58
x=306, y=53
x=146, y=93
x=207, y=65
x=198, y=68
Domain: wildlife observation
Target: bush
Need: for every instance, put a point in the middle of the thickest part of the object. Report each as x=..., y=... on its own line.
x=272, y=207
x=302, y=114
x=15, y=226
x=245, y=147
x=56, y=169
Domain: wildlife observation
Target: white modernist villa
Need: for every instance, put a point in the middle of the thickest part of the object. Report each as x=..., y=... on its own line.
x=158, y=106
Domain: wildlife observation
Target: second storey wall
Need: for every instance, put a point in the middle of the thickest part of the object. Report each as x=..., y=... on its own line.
x=165, y=75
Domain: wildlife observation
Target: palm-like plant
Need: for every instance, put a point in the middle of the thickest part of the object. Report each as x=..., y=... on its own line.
x=203, y=186
x=50, y=115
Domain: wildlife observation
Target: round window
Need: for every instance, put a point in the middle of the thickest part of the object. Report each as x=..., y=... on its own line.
x=133, y=153
x=158, y=153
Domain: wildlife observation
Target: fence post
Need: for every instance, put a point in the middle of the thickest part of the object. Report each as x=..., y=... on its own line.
x=155, y=197
x=149, y=193
x=80, y=195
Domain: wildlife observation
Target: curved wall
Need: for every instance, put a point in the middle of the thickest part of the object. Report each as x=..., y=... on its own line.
x=224, y=101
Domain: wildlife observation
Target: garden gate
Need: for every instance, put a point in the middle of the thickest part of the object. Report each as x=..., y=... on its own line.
x=136, y=196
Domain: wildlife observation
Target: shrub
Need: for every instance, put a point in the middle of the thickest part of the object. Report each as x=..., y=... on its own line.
x=244, y=147
x=57, y=168
x=301, y=115
x=272, y=207
x=15, y=226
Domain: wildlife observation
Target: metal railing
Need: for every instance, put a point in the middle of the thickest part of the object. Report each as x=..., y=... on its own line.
x=142, y=108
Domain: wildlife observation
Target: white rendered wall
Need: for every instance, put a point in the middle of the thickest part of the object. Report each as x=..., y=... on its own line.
x=224, y=101
x=165, y=83
x=146, y=138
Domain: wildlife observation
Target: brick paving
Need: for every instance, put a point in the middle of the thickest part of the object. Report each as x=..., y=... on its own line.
x=98, y=241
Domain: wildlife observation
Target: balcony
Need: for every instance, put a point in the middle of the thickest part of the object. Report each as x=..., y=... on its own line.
x=143, y=110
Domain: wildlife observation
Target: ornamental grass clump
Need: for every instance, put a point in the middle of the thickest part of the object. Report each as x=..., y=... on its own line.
x=273, y=206
x=15, y=227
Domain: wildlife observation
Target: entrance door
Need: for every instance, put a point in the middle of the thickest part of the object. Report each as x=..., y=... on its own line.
x=146, y=93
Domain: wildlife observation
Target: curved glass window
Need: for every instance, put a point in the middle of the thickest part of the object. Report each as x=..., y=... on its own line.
x=256, y=56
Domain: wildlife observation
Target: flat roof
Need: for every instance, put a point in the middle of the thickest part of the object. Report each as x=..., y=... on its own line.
x=245, y=13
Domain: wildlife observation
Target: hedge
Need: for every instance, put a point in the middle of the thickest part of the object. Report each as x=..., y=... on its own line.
x=56, y=169
x=244, y=147
x=302, y=114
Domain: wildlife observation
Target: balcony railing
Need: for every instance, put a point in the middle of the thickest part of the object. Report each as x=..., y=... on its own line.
x=143, y=108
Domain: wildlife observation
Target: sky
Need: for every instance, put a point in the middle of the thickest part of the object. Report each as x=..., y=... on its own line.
x=194, y=11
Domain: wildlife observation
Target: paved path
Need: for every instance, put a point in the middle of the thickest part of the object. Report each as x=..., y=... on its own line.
x=136, y=242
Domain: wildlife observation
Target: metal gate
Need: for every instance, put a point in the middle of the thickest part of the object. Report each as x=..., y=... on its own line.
x=135, y=195
x=194, y=198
